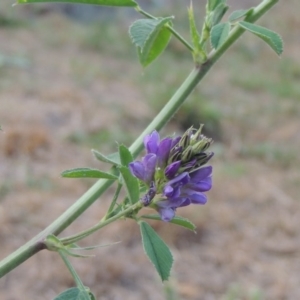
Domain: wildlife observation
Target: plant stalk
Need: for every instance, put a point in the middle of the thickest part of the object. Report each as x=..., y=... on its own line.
x=81, y=235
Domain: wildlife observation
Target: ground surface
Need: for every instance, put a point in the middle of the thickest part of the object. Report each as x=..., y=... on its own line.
x=63, y=92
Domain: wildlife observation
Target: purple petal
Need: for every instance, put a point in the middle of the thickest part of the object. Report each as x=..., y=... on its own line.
x=137, y=169
x=164, y=151
x=172, y=169
x=151, y=142
x=149, y=162
x=181, y=179
x=166, y=214
x=171, y=203
x=198, y=198
x=186, y=202
x=201, y=186
x=168, y=191
x=171, y=192
x=201, y=174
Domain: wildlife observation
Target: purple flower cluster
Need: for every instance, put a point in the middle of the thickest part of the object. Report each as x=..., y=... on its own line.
x=173, y=171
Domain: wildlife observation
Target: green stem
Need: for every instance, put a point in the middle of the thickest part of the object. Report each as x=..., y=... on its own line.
x=81, y=235
x=62, y=222
x=74, y=274
x=170, y=28
x=113, y=202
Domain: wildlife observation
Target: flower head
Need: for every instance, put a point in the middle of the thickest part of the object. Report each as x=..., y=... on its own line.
x=174, y=172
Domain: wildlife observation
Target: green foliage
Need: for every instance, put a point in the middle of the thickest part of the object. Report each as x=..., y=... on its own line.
x=176, y=220
x=150, y=37
x=195, y=36
x=131, y=184
x=198, y=53
x=74, y=294
x=125, y=155
x=157, y=251
x=218, y=14
x=87, y=173
x=237, y=14
x=270, y=37
x=213, y=4
x=219, y=34
x=94, y=2
x=113, y=158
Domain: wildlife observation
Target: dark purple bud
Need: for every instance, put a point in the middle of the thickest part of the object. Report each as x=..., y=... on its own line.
x=172, y=169
x=175, y=141
x=146, y=199
x=187, y=167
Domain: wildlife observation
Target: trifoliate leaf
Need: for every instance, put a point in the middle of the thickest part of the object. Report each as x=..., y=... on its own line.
x=157, y=251
x=219, y=34
x=176, y=220
x=237, y=14
x=131, y=184
x=151, y=37
x=113, y=158
x=73, y=294
x=270, y=37
x=125, y=155
x=218, y=14
x=95, y=2
x=212, y=4
x=195, y=36
x=87, y=173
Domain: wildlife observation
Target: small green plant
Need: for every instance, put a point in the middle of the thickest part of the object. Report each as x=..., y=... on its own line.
x=173, y=171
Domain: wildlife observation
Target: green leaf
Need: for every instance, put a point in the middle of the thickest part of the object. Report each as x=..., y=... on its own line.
x=125, y=155
x=95, y=2
x=131, y=185
x=219, y=34
x=218, y=14
x=176, y=220
x=73, y=294
x=195, y=36
x=237, y=14
x=270, y=37
x=212, y=4
x=157, y=251
x=70, y=253
x=76, y=247
x=151, y=37
x=87, y=173
x=92, y=296
x=113, y=158
x=157, y=48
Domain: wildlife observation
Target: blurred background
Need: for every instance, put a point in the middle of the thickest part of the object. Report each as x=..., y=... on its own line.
x=70, y=81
